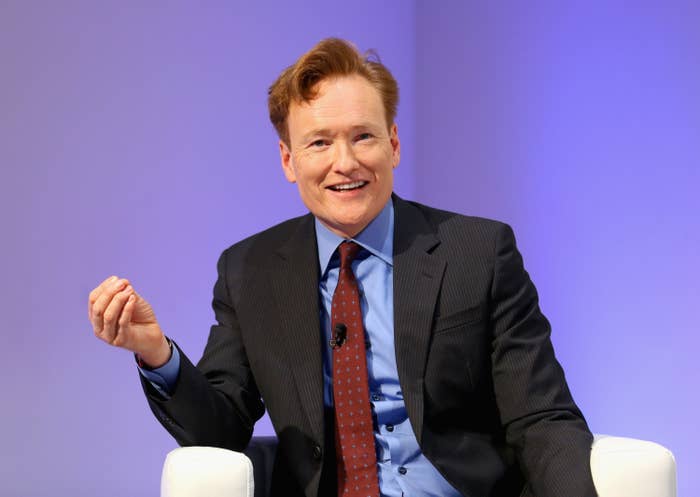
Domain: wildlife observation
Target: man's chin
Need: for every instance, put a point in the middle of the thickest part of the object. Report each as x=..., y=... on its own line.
x=346, y=227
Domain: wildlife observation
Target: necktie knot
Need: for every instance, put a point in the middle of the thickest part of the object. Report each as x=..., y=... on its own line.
x=347, y=250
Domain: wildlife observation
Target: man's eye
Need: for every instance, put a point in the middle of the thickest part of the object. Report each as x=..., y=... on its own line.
x=318, y=143
x=364, y=136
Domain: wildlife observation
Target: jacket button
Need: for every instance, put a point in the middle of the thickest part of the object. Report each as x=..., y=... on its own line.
x=403, y=470
x=318, y=452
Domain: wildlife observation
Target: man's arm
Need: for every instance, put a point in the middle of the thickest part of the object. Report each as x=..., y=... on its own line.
x=216, y=404
x=542, y=422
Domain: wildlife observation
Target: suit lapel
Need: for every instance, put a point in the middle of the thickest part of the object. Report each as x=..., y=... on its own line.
x=417, y=280
x=294, y=280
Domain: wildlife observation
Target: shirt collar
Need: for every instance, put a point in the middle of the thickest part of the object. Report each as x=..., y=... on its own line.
x=377, y=238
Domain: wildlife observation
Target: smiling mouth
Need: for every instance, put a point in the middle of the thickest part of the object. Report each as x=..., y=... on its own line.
x=348, y=186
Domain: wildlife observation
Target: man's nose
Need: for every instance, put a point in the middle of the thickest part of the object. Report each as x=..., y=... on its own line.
x=344, y=160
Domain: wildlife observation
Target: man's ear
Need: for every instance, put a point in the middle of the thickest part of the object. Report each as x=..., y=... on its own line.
x=395, y=145
x=287, y=162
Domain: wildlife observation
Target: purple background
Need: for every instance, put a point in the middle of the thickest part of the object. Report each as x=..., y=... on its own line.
x=134, y=140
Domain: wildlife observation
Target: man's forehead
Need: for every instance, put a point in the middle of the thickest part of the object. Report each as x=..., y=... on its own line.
x=353, y=90
x=339, y=105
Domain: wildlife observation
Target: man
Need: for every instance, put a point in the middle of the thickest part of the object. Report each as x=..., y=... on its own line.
x=399, y=349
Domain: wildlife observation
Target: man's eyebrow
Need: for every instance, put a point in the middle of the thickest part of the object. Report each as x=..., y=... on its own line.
x=365, y=125
x=316, y=132
x=325, y=132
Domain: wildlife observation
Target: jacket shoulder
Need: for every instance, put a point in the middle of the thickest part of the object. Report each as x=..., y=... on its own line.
x=257, y=248
x=448, y=224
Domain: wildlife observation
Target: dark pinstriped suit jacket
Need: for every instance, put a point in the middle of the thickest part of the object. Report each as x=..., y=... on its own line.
x=486, y=398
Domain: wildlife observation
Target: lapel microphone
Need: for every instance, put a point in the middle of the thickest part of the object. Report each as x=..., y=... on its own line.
x=340, y=333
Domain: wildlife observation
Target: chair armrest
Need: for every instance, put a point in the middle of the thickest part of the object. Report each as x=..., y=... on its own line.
x=206, y=472
x=625, y=467
x=621, y=467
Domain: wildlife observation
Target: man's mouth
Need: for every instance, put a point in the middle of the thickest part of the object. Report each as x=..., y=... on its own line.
x=348, y=186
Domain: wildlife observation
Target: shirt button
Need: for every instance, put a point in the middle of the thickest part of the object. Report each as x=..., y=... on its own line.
x=390, y=428
x=318, y=452
x=403, y=470
x=376, y=397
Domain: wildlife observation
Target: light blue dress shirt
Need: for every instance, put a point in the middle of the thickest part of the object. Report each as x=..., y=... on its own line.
x=403, y=469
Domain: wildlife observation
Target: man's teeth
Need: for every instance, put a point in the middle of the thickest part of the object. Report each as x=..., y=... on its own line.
x=349, y=186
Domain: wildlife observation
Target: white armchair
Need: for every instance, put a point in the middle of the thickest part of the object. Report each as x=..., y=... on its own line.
x=206, y=472
x=621, y=467
x=625, y=467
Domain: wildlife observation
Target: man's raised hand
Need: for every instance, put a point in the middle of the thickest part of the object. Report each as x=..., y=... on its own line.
x=121, y=317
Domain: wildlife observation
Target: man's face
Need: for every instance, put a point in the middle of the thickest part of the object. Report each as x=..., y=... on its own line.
x=342, y=154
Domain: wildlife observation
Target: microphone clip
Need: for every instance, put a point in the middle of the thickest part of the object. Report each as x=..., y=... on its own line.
x=340, y=333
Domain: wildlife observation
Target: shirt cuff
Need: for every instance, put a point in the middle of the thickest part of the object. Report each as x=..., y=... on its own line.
x=165, y=377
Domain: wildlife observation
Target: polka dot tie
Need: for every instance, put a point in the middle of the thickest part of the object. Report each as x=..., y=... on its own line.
x=356, y=455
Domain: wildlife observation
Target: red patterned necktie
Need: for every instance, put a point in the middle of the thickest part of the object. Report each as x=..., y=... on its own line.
x=356, y=455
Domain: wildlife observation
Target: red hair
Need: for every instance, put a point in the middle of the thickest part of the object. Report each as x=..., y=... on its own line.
x=328, y=58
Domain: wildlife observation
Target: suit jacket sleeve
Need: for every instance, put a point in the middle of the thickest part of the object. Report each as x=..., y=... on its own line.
x=217, y=402
x=541, y=420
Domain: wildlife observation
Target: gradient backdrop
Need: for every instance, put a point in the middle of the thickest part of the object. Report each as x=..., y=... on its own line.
x=134, y=140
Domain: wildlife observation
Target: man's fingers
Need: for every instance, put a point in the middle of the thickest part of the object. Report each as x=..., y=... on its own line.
x=98, y=301
x=102, y=302
x=122, y=325
x=92, y=297
x=113, y=312
x=99, y=289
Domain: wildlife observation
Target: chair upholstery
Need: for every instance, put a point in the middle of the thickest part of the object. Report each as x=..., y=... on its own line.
x=621, y=467
x=206, y=472
x=625, y=467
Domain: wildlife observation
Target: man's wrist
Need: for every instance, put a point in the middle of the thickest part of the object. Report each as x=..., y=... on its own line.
x=158, y=360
